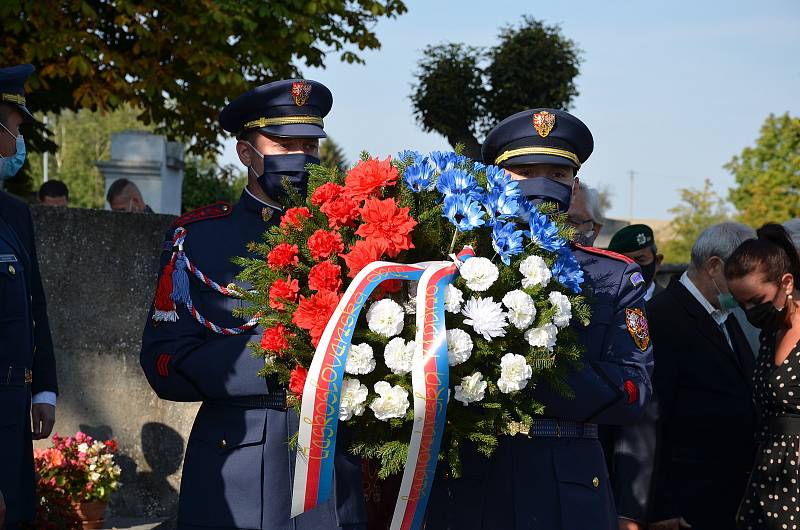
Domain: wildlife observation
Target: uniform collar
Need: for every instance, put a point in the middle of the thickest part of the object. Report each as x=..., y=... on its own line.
x=253, y=204
x=719, y=315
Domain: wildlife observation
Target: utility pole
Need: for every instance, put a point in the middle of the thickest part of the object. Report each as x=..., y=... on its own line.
x=44, y=157
x=632, y=173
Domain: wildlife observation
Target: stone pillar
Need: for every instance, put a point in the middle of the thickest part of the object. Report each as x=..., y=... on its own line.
x=152, y=163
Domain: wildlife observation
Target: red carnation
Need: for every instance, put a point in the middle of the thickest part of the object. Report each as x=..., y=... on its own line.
x=386, y=222
x=282, y=255
x=326, y=192
x=386, y=287
x=312, y=313
x=297, y=381
x=368, y=177
x=341, y=211
x=276, y=339
x=362, y=254
x=325, y=276
x=324, y=244
x=293, y=218
x=283, y=291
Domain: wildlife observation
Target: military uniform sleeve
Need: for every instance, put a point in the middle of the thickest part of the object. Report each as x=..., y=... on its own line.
x=44, y=361
x=614, y=387
x=183, y=361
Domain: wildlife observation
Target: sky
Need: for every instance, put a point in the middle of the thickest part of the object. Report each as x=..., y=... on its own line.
x=671, y=90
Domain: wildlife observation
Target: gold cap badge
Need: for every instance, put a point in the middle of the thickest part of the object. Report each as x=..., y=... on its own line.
x=544, y=122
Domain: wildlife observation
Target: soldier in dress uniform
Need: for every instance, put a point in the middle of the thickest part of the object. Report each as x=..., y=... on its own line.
x=554, y=476
x=639, y=244
x=28, y=385
x=238, y=466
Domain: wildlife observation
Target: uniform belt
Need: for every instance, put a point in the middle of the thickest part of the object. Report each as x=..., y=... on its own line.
x=556, y=428
x=784, y=425
x=274, y=400
x=15, y=376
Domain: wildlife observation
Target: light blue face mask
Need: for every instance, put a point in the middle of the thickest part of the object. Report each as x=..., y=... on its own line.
x=11, y=165
x=726, y=300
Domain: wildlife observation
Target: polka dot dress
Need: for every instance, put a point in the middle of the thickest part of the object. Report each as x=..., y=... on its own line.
x=772, y=499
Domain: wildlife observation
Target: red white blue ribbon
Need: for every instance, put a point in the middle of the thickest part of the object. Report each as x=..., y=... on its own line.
x=319, y=415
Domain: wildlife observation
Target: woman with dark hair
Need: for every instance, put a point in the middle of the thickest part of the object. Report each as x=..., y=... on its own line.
x=762, y=275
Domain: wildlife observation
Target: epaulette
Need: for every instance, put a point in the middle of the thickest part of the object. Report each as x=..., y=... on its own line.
x=604, y=252
x=211, y=211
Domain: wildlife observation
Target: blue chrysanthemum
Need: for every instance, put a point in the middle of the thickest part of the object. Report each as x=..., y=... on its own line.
x=408, y=156
x=544, y=232
x=507, y=240
x=465, y=213
x=502, y=206
x=445, y=161
x=459, y=182
x=478, y=167
x=419, y=176
x=567, y=271
x=499, y=179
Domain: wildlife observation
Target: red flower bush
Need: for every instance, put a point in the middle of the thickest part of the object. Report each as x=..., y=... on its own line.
x=282, y=256
x=325, y=276
x=297, y=381
x=283, y=291
x=368, y=177
x=342, y=211
x=362, y=254
x=312, y=313
x=293, y=218
x=384, y=221
x=276, y=339
x=324, y=244
x=327, y=192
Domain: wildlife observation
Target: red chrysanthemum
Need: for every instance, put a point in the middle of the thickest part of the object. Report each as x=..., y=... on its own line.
x=282, y=255
x=312, y=313
x=341, y=211
x=283, y=291
x=325, y=276
x=324, y=244
x=297, y=381
x=293, y=218
x=368, y=177
x=386, y=222
x=327, y=192
x=362, y=254
x=276, y=339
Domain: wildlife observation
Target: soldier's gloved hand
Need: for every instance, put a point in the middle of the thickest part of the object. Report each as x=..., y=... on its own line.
x=2, y=510
x=44, y=417
x=627, y=524
x=675, y=523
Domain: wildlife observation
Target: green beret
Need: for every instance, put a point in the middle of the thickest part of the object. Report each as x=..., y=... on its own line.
x=632, y=238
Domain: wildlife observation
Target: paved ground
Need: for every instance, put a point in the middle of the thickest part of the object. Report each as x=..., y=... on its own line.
x=140, y=523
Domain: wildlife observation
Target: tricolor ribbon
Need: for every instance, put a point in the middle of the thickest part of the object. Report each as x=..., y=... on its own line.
x=319, y=414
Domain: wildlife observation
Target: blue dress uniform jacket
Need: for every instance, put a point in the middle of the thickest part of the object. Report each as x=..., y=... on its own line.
x=25, y=345
x=238, y=467
x=562, y=483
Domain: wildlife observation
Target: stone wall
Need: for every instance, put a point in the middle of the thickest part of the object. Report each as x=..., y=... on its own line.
x=99, y=270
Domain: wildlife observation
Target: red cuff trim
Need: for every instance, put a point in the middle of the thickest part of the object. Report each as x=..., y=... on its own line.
x=633, y=392
x=162, y=364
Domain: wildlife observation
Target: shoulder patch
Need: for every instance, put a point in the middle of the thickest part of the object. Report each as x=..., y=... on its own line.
x=211, y=211
x=637, y=279
x=607, y=253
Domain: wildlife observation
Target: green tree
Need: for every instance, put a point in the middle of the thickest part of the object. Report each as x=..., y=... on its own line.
x=698, y=209
x=768, y=175
x=332, y=155
x=463, y=91
x=205, y=182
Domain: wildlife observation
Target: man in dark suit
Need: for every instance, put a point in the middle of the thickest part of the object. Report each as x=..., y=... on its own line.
x=27, y=364
x=703, y=383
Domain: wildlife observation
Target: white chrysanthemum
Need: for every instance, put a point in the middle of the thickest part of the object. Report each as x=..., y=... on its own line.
x=563, y=309
x=459, y=346
x=486, y=317
x=471, y=389
x=392, y=403
x=521, y=310
x=534, y=272
x=399, y=355
x=385, y=317
x=453, y=298
x=515, y=373
x=360, y=360
x=543, y=337
x=354, y=399
x=479, y=273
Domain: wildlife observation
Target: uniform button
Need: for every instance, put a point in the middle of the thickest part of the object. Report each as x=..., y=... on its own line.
x=223, y=444
x=12, y=270
x=596, y=482
x=224, y=207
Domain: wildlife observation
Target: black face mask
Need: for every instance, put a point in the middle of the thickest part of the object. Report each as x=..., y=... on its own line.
x=765, y=316
x=540, y=190
x=293, y=168
x=648, y=272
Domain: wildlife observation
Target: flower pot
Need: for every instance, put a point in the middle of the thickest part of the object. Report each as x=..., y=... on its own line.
x=92, y=514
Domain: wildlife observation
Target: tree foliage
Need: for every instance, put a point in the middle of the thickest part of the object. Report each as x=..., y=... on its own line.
x=179, y=62
x=768, y=174
x=463, y=91
x=698, y=209
x=205, y=182
x=332, y=155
